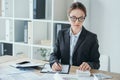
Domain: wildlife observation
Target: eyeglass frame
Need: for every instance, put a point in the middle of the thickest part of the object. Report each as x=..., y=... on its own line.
x=80, y=19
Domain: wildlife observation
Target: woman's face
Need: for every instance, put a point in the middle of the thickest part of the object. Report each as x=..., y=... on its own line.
x=76, y=18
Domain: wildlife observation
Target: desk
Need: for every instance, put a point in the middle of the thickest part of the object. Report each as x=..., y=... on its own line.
x=7, y=60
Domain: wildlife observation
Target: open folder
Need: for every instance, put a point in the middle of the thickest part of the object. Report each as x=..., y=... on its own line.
x=48, y=69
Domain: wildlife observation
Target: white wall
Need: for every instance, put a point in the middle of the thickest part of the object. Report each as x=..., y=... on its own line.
x=105, y=21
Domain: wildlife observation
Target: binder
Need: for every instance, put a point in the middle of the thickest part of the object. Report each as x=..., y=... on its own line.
x=7, y=49
x=3, y=7
x=39, y=9
x=1, y=49
x=58, y=27
x=31, y=8
x=26, y=32
x=7, y=30
x=0, y=7
x=30, y=32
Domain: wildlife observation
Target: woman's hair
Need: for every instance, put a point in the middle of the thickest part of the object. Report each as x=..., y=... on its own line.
x=77, y=5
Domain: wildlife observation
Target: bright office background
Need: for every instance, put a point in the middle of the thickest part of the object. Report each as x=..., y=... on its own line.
x=104, y=20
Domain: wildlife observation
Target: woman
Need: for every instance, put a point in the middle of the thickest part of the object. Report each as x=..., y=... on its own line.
x=76, y=46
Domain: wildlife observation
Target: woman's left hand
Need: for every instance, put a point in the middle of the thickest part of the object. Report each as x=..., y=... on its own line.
x=84, y=66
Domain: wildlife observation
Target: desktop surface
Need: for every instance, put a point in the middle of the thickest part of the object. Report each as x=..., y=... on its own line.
x=5, y=61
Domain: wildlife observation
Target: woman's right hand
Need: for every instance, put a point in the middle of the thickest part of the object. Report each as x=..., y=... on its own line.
x=57, y=66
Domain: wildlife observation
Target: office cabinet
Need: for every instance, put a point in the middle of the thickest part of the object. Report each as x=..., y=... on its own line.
x=31, y=26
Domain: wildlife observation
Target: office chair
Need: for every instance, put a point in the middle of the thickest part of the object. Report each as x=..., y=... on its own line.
x=104, y=62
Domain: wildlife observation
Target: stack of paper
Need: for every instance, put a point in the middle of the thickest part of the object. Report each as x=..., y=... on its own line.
x=80, y=73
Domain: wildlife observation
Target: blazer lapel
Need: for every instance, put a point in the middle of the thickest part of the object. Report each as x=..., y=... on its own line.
x=80, y=39
x=67, y=38
x=67, y=44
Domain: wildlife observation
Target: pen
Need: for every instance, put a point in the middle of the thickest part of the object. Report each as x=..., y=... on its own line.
x=59, y=65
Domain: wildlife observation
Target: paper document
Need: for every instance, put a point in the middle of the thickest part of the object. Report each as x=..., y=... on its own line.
x=80, y=73
x=48, y=69
x=47, y=77
x=21, y=76
x=57, y=77
x=10, y=70
x=98, y=76
x=75, y=77
x=63, y=77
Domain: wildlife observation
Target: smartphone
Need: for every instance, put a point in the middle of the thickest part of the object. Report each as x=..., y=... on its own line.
x=24, y=62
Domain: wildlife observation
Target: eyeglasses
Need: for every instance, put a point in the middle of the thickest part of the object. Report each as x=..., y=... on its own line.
x=74, y=19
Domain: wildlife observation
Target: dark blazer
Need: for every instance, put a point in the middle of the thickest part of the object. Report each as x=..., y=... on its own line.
x=86, y=49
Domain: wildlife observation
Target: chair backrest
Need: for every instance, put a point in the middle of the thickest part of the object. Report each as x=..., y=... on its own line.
x=104, y=62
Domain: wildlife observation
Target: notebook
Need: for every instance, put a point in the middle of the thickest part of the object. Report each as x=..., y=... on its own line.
x=48, y=69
